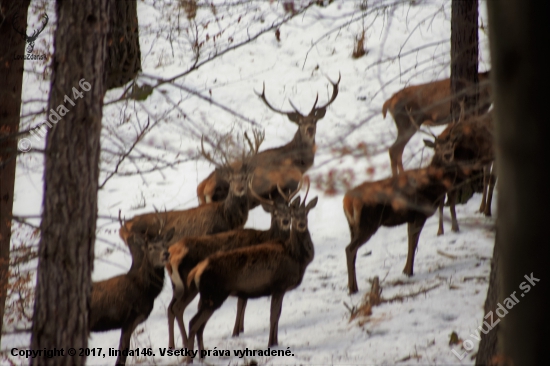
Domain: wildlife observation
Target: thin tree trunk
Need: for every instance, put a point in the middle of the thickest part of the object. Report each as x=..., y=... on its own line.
x=11, y=79
x=464, y=55
x=123, y=52
x=488, y=343
x=66, y=250
x=519, y=36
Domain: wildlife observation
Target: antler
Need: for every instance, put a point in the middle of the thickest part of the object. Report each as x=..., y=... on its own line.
x=415, y=125
x=258, y=197
x=208, y=156
x=314, y=109
x=306, y=178
x=119, y=218
x=254, y=147
x=334, y=95
x=291, y=194
x=270, y=106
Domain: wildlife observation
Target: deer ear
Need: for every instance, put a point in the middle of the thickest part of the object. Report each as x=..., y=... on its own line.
x=320, y=113
x=294, y=117
x=296, y=203
x=312, y=203
x=267, y=207
x=169, y=235
x=429, y=143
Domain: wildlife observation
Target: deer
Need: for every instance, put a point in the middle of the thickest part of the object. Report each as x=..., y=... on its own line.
x=123, y=302
x=467, y=141
x=268, y=269
x=428, y=104
x=212, y=218
x=186, y=253
x=410, y=197
x=283, y=165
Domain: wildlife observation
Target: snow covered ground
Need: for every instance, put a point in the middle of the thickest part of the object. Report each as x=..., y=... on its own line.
x=451, y=271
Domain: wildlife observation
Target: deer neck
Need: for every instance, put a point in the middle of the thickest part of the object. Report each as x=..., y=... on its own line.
x=151, y=278
x=300, y=247
x=235, y=210
x=302, y=151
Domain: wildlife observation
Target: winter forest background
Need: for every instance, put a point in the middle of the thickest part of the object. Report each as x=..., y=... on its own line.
x=203, y=64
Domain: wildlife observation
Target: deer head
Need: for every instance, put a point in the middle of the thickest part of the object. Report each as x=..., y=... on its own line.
x=307, y=123
x=300, y=211
x=238, y=173
x=278, y=209
x=30, y=39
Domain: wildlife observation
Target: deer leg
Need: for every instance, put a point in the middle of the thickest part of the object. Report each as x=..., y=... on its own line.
x=276, y=307
x=405, y=131
x=492, y=182
x=198, y=321
x=483, y=205
x=351, y=255
x=239, y=321
x=414, y=228
x=441, y=230
x=125, y=336
x=200, y=339
x=452, y=208
x=176, y=309
x=171, y=318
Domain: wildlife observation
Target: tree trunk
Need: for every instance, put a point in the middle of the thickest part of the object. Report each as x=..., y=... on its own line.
x=123, y=52
x=464, y=56
x=519, y=34
x=66, y=250
x=487, y=345
x=11, y=79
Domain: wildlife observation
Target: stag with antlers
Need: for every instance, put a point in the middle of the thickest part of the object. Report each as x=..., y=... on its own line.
x=188, y=252
x=207, y=219
x=283, y=165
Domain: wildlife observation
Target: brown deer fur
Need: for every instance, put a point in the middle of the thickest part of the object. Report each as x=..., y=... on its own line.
x=409, y=198
x=426, y=103
x=188, y=252
x=467, y=141
x=284, y=165
x=125, y=301
x=262, y=270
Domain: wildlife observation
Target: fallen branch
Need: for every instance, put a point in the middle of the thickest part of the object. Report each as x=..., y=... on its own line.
x=450, y=256
x=412, y=295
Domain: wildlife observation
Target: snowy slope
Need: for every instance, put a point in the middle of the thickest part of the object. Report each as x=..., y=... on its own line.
x=314, y=324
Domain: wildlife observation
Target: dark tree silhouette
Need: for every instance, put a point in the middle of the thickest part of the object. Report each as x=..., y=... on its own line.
x=123, y=52
x=14, y=14
x=66, y=249
x=464, y=54
x=519, y=34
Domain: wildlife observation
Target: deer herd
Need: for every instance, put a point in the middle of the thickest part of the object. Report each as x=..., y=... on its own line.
x=206, y=250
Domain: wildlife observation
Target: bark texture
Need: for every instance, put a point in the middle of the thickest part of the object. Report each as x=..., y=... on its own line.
x=519, y=38
x=66, y=250
x=123, y=52
x=464, y=55
x=11, y=79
